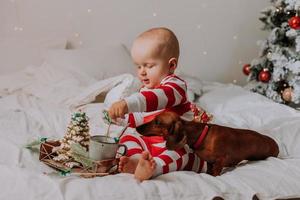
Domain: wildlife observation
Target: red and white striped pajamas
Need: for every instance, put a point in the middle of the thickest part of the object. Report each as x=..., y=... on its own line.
x=143, y=106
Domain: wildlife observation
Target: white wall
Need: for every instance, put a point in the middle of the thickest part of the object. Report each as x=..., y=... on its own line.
x=217, y=37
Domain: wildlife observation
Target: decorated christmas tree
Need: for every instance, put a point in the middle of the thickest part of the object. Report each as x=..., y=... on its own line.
x=77, y=132
x=276, y=73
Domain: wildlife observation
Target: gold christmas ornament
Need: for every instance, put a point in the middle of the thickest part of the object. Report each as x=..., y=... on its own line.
x=287, y=94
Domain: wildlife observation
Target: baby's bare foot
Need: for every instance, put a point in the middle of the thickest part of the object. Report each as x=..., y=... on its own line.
x=127, y=165
x=145, y=167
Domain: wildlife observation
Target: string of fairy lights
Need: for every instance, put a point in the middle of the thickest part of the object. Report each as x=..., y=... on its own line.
x=19, y=27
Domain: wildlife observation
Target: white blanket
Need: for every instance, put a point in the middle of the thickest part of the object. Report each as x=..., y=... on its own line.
x=38, y=102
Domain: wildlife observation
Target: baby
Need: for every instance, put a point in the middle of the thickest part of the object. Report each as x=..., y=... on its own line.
x=155, y=53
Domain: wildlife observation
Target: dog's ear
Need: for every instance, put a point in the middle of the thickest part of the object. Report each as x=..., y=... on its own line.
x=176, y=138
x=175, y=128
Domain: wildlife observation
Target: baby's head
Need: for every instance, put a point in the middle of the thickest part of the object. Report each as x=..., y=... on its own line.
x=155, y=53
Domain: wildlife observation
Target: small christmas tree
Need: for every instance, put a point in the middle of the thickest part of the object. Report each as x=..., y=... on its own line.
x=276, y=73
x=77, y=132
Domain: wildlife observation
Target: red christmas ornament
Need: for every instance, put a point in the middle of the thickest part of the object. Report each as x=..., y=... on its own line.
x=264, y=76
x=247, y=69
x=294, y=22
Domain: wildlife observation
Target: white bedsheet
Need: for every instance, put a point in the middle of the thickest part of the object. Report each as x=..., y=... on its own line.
x=39, y=101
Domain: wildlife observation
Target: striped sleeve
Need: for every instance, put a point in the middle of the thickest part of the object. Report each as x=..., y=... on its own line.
x=133, y=119
x=170, y=93
x=136, y=119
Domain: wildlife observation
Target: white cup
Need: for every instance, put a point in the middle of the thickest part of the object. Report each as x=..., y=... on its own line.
x=103, y=148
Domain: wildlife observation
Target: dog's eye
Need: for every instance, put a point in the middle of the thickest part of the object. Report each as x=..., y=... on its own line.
x=157, y=122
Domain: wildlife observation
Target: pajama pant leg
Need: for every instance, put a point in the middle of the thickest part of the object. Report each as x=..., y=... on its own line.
x=179, y=160
x=195, y=164
x=168, y=160
x=134, y=143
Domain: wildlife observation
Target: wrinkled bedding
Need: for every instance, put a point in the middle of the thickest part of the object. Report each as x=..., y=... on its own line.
x=38, y=102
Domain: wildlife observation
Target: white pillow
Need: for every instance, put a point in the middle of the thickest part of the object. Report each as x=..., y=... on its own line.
x=194, y=86
x=124, y=89
x=18, y=53
x=102, y=62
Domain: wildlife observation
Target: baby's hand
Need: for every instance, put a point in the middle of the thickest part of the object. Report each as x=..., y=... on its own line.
x=118, y=109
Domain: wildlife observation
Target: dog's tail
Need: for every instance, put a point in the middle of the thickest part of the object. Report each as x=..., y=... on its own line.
x=282, y=149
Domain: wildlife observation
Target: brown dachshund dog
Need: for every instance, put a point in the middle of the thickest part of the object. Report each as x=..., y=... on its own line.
x=219, y=146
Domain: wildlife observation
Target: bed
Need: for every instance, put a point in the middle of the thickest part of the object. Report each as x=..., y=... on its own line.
x=38, y=102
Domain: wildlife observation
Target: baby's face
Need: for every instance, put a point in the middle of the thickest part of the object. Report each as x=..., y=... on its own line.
x=151, y=67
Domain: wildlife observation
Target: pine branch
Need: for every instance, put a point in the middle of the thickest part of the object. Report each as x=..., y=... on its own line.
x=81, y=155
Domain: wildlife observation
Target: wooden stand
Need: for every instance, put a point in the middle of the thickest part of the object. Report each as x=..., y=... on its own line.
x=100, y=168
